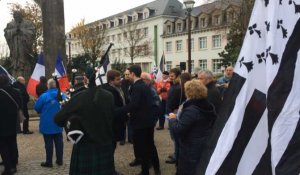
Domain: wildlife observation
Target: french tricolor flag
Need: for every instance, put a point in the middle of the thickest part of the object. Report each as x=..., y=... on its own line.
x=38, y=71
x=61, y=74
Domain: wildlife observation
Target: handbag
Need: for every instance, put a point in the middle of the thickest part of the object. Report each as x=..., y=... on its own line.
x=21, y=116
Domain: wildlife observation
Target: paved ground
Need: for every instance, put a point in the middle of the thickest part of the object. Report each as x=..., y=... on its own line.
x=32, y=153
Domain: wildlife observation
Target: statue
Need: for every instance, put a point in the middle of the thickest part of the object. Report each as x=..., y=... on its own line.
x=19, y=35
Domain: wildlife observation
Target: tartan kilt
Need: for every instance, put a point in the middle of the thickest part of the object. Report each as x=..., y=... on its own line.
x=92, y=159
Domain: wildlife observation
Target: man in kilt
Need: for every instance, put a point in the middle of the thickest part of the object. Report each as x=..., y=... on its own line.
x=93, y=154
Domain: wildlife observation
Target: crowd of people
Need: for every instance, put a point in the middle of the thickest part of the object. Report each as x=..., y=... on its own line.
x=96, y=118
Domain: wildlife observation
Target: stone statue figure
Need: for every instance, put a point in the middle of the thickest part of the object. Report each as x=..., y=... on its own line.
x=19, y=35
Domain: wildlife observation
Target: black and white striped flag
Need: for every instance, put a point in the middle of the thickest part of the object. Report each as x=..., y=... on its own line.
x=258, y=130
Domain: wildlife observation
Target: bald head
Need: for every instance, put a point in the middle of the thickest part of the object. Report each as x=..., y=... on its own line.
x=146, y=77
x=21, y=80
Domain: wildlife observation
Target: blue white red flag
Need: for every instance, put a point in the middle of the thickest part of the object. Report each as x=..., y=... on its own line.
x=38, y=71
x=61, y=74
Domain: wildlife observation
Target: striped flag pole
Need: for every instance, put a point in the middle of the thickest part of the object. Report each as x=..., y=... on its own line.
x=258, y=129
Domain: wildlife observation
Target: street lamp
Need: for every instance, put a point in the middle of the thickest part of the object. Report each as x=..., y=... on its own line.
x=189, y=4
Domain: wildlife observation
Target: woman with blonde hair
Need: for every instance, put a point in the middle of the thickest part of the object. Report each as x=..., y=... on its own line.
x=192, y=125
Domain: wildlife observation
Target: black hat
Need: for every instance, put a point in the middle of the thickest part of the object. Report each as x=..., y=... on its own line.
x=165, y=72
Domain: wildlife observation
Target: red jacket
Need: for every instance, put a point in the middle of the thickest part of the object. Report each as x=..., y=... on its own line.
x=162, y=88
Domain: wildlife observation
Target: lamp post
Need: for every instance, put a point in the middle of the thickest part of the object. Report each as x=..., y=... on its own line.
x=189, y=7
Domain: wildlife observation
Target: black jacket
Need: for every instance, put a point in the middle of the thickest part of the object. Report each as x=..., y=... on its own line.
x=94, y=108
x=192, y=128
x=175, y=98
x=40, y=89
x=8, y=110
x=24, y=96
x=119, y=119
x=140, y=106
x=214, y=95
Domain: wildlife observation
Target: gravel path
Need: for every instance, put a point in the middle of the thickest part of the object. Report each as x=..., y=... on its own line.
x=32, y=153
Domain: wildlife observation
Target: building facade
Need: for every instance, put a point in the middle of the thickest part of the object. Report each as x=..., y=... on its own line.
x=163, y=24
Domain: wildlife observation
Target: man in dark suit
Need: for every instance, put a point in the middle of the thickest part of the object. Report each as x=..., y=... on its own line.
x=125, y=85
x=20, y=85
x=141, y=118
x=213, y=93
x=11, y=100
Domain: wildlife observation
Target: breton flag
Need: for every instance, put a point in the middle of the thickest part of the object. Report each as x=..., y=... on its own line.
x=102, y=70
x=161, y=68
x=39, y=70
x=61, y=74
x=4, y=71
x=258, y=129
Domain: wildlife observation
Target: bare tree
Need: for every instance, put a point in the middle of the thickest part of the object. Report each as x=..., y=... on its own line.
x=136, y=44
x=91, y=38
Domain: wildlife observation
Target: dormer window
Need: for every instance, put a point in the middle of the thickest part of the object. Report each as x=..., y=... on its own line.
x=217, y=19
x=169, y=29
x=179, y=27
x=146, y=15
x=134, y=18
x=202, y=22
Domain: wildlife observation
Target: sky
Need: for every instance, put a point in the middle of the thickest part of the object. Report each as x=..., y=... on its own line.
x=75, y=10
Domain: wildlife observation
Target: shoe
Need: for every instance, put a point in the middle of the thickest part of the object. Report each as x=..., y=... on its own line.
x=9, y=172
x=171, y=156
x=122, y=142
x=160, y=128
x=27, y=132
x=59, y=163
x=135, y=162
x=171, y=161
x=46, y=164
x=19, y=132
x=157, y=172
x=117, y=173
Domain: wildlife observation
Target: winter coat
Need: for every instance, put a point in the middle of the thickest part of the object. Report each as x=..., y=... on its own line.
x=8, y=110
x=48, y=105
x=192, y=129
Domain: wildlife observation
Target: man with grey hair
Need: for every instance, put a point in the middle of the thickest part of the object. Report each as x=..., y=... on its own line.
x=20, y=84
x=47, y=106
x=213, y=93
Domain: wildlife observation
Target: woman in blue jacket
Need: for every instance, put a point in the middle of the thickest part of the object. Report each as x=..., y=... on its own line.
x=192, y=126
x=47, y=106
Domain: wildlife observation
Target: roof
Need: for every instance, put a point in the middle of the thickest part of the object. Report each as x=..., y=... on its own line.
x=174, y=8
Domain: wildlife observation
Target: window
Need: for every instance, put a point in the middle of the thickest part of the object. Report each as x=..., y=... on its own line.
x=202, y=42
x=216, y=40
x=169, y=29
x=203, y=64
x=125, y=35
x=216, y=63
x=202, y=22
x=168, y=65
x=169, y=46
x=192, y=44
x=178, y=45
x=125, y=51
x=119, y=37
x=146, y=15
x=192, y=65
x=179, y=27
x=134, y=18
x=145, y=32
x=217, y=19
x=119, y=53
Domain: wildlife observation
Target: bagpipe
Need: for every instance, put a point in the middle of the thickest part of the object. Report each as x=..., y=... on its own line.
x=73, y=127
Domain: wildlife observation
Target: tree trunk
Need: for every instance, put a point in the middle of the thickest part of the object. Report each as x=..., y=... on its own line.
x=53, y=33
